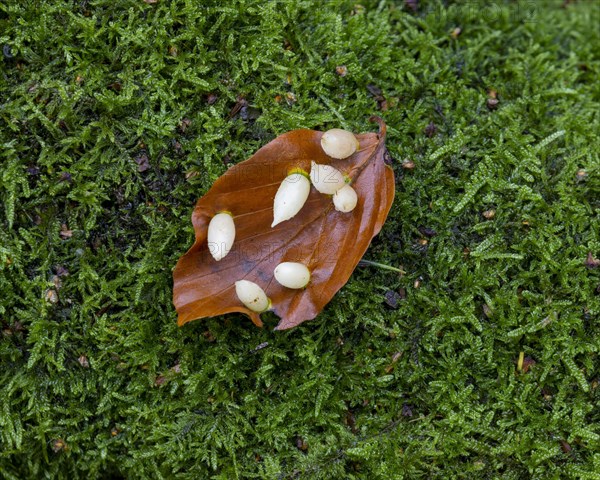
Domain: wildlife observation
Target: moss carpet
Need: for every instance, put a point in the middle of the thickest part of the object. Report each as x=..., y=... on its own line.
x=481, y=361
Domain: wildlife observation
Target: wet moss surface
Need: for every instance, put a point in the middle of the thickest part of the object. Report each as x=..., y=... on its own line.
x=480, y=361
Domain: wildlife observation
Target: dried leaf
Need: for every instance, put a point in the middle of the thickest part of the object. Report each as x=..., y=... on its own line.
x=430, y=129
x=186, y=122
x=143, y=162
x=301, y=444
x=565, y=447
x=341, y=70
x=65, y=233
x=392, y=299
x=528, y=362
x=51, y=296
x=59, y=444
x=489, y=214
x=328, y=242
x=83, y=361
x=591, y=262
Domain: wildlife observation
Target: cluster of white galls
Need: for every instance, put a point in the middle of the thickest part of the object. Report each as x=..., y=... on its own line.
x=289, y=200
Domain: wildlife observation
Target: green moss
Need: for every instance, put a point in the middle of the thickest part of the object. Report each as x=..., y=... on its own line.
x=108, y=136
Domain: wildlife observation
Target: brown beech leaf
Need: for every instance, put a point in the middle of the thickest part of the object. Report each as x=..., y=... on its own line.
x=328, y=242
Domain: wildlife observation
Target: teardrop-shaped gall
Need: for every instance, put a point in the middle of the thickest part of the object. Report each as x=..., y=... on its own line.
x=252, y=296
x=338, y=143
x=345, y=199
x=326, y=179
x=290, y=197
x=221, y=234
x=292, y=274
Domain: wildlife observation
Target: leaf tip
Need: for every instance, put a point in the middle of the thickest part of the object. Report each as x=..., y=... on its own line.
x=181, y=321
x=255, y=317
